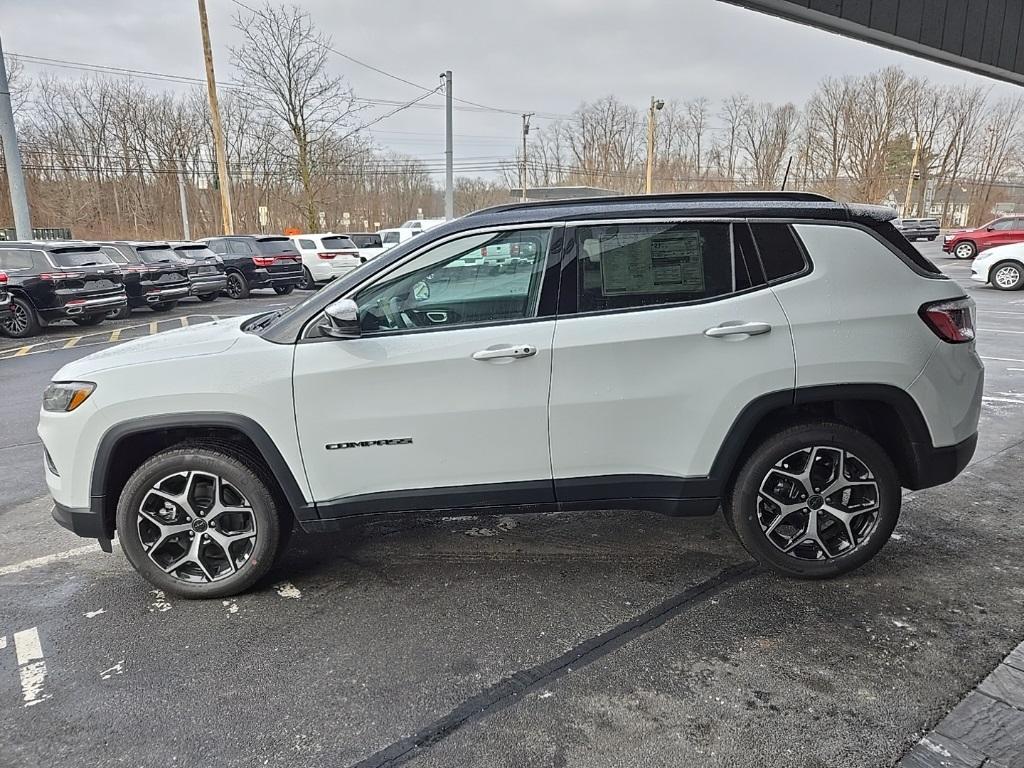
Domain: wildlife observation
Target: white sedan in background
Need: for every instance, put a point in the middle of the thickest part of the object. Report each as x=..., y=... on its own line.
x=1002, y=266
x=325, y=257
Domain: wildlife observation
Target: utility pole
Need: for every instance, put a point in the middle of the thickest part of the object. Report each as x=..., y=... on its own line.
x=184, y=203
x=656, y=104
x=913, y=169
x=224, y=181
x=12, y=158
x=449, y=177
x=523, y=166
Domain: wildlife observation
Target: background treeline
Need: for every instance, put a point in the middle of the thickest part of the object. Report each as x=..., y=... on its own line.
x=104, y=154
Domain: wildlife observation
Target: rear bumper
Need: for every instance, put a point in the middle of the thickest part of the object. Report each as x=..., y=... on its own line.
x=85, y=307
x=272, y=280
x=160, y=295
x=936, y=466
x=204, y=284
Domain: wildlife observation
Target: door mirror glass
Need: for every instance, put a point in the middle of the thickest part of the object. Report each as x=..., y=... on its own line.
x=341, y=320
x=421, y=291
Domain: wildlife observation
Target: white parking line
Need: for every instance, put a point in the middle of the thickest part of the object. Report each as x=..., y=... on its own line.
x=31, y=666
x=1003, y=359
x=1002, y=400
x=997, y=330
x=38, y=562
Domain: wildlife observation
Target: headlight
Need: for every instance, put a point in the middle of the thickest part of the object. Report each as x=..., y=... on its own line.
x=66, y=396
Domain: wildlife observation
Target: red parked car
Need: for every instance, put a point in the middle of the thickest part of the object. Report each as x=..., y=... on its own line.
x=965, y=243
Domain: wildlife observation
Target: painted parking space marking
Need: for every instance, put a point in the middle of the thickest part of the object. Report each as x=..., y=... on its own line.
x=31, y=666
x=112, y=336
x=39, y=562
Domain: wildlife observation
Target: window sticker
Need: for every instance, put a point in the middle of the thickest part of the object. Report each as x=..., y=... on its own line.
x=670, y=262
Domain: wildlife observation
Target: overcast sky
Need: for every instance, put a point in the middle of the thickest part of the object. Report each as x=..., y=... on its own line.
x=527, y=55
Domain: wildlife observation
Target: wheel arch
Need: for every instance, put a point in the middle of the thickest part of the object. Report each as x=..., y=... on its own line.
x=884, y=412
x=124, y=448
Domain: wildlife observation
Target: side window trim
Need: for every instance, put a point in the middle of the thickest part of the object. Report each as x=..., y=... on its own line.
x=569, y=299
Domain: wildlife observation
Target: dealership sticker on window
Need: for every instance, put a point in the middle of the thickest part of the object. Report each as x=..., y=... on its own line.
x=671, y=262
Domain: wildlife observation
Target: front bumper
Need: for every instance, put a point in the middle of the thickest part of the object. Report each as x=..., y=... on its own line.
x=84, y=522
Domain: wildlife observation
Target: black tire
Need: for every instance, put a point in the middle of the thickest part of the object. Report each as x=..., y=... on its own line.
x=307, y=283
x=90, y=320
x=1007, y=276
x=965, y=250
x=238, y=286
x=120, y=314
x=163, y=306
x=272, y=523
x=22, y=320
x=207, y=297
x=932, y=238
x=744, y=503
x=283, y=290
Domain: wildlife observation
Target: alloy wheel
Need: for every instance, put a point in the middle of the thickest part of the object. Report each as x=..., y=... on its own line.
x=964, y=251
x=18, y=321
x=1007, y=276
x=818, y=503
x=234, y=286
x=196, y=527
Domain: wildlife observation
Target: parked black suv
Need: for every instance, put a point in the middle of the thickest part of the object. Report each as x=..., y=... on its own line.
x=51, y=281
x=154, y=276
x=206, y=276
x=258, y=261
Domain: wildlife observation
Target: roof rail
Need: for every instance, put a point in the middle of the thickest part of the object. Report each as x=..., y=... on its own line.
x=804, y=197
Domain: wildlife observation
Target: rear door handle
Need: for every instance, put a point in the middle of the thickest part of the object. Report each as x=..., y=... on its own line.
x=738, y=328
x=506, y=351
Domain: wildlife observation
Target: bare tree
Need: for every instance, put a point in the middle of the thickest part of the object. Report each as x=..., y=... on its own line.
x=767, y=132
x=283, y=62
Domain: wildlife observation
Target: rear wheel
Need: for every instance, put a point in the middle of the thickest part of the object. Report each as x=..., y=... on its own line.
x=90, y=320
x=22, y=321
x=199, y=522
x=283, y=290
x=1007, y=276
x=815, y=501
x=965, y=250
x=163, y=306
x=207, y=296
x=238, y=286
x=307, y=283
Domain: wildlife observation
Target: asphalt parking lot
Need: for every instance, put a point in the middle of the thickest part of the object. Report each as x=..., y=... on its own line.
x=566, y=640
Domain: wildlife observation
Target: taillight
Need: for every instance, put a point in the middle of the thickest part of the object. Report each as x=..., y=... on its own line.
x=263, y=261
x=326, y=255
x=3, y=278
x=952, y=321
x=61, y=276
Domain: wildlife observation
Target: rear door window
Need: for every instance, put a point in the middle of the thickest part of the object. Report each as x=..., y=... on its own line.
x=392, y=237
x=644, y=265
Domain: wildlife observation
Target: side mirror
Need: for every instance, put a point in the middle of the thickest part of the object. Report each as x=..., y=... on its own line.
x=341, y=320
x=990, y=229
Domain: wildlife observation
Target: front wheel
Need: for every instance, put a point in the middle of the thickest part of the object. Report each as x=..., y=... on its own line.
x=283, y=290
x=815, y=501
x=965, y=250
x=1008, y=276
x=199, y=522
x=238, y=286
x=207, y=296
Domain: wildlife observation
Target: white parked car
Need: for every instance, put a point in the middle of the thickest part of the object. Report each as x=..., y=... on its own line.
x=325, y=257
x=389, y=238
x=422, y=225
x=369, y=244
x=1001, y=266
x=790, y=360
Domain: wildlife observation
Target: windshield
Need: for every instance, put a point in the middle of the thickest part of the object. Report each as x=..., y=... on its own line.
x=80, y=258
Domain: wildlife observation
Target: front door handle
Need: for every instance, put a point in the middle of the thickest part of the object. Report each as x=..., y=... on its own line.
x=506, y=351
x=738, y=328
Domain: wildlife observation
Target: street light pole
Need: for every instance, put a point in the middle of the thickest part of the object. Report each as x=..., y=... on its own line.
x=223, y=180
x=523, y=166
x=913, y=168
x=656, y=104
x=12, y=159
x=449, y=175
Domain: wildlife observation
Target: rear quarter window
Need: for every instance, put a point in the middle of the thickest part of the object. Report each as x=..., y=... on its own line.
x=780, y=252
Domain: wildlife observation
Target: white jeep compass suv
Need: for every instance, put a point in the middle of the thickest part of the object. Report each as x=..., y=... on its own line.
x=787, y=358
